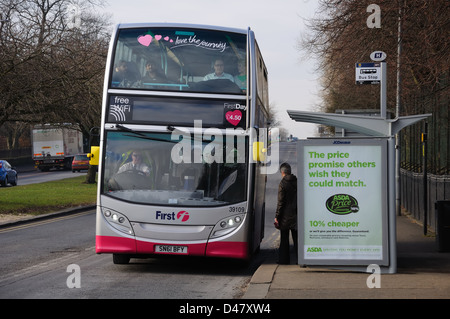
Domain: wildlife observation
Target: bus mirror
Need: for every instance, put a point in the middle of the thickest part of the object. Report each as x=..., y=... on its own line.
x=259, y=152
x=94, y=155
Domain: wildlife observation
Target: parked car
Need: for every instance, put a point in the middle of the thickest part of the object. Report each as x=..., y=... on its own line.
x=8, y=175
x=80, y=161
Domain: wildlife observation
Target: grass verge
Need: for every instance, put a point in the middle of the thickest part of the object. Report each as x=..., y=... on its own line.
x=36, y=199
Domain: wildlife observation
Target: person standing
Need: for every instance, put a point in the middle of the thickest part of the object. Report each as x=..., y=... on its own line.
x=286, y=213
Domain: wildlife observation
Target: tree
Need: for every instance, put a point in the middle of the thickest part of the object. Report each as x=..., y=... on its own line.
x=51, y=68
x=272, y=115
x=340, y=37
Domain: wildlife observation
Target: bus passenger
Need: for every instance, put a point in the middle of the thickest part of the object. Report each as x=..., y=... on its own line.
x=241, y=78
x=286, y=213
x=123, y=75
x=152, y=74
x=218, y=73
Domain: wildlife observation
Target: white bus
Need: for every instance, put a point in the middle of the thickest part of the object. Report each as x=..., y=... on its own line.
x=184, y=108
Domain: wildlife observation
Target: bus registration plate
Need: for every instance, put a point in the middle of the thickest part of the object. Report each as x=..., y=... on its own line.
x=168, y=249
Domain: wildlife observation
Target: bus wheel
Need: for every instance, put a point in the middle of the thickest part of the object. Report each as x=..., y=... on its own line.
x=120, y=259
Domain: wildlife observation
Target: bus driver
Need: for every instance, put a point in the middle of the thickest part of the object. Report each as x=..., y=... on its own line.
x=135, y=164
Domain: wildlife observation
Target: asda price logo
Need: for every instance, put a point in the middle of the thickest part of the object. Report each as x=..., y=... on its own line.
x=342, y=204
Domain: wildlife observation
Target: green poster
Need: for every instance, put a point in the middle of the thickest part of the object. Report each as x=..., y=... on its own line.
x=342, y=201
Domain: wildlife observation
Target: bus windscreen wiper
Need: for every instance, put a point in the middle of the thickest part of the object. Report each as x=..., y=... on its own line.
x=126, y=129
x=142, y=135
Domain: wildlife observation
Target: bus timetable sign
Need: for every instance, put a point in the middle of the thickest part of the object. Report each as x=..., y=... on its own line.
x=368, y=73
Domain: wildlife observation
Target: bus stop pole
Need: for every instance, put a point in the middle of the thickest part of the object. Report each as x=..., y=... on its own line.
x=392, y=216
x=392, y=186
x=383, y=88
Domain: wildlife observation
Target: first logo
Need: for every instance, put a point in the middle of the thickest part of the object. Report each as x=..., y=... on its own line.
x=184, y=215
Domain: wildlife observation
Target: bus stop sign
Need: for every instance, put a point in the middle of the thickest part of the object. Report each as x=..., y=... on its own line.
x=368, y=73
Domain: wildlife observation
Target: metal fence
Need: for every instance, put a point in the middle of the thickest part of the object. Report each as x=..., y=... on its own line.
x=414, y=197
x=425, y=152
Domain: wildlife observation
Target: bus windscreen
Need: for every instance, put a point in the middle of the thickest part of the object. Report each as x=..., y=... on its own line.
x=175, y=170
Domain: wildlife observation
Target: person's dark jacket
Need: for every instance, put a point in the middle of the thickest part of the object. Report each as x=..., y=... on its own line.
x=286, y=213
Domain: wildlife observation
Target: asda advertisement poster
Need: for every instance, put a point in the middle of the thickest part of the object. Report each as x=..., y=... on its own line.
x=342, y=202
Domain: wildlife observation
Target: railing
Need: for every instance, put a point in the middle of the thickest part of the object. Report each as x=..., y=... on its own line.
x=412, y=194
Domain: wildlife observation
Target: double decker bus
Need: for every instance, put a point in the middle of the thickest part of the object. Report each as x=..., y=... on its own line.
x=183, y=132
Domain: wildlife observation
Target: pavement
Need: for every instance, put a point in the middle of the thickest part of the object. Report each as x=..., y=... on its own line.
x=422, y=273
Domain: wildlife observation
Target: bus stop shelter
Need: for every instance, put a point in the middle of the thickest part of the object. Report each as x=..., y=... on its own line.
x=330, y=218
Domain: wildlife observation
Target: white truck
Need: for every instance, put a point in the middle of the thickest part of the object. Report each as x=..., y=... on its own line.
x=55, y=146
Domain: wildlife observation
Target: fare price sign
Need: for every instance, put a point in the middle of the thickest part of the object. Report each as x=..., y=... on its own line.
x=342, y=205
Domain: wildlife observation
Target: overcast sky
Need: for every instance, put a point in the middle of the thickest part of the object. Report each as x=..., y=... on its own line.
x=293, y=83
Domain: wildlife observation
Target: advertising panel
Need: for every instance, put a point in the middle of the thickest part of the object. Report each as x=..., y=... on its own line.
x=342, y=214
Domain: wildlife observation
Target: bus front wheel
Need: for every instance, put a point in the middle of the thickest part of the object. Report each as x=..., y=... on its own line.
x=120, y=259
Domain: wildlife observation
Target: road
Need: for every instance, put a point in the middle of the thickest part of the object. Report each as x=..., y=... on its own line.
x=42, y=259
x=30, y=176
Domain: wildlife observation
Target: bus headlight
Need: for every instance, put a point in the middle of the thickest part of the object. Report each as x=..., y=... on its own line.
x=118, y=221
x=227, y=225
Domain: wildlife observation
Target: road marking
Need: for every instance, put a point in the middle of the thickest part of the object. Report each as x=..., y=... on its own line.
x=49, y=265
x=43, y=222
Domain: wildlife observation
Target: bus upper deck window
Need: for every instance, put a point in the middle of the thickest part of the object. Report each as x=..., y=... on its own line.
x=167, y=59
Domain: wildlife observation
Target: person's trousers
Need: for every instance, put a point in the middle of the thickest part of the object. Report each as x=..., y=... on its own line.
x=284, y=253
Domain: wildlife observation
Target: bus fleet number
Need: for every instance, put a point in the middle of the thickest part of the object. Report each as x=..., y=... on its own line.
x=237, y=209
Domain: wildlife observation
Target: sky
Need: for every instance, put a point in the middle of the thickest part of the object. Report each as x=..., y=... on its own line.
x=278, y=25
